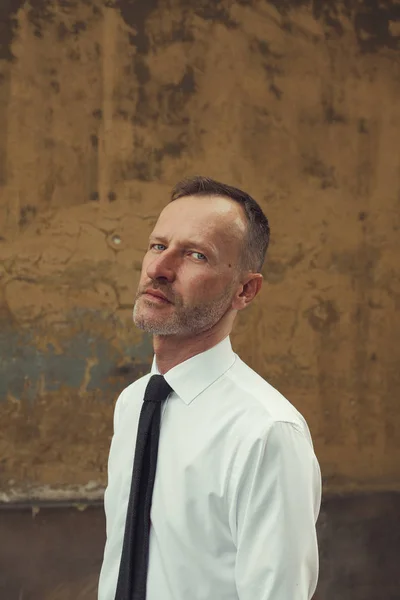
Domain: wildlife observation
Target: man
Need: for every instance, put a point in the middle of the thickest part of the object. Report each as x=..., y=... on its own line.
x=237, y=487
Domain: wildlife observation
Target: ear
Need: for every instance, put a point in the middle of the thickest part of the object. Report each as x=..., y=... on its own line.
x=247, y=291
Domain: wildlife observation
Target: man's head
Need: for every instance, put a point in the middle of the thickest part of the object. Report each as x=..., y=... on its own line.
x=204, y=256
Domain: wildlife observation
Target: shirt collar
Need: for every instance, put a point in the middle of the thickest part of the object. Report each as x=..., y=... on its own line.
x=194, y=375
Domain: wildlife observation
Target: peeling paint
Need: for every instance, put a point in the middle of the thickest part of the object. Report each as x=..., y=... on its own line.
x=27, y=371
x=91, y=492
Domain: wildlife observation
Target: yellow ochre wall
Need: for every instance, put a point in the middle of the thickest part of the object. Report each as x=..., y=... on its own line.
x=103, y=107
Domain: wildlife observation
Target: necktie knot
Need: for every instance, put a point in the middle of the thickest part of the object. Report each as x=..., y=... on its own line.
x=157, y=389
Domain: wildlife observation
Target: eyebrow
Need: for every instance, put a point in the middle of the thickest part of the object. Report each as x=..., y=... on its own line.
x=207, y=249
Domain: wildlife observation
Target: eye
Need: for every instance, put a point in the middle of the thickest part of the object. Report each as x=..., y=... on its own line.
x=157, y=247
x=199, y=256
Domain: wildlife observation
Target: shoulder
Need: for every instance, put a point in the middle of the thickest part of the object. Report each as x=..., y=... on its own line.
x=136, y=387
x=130, y=396
x=270, y=429
x=270, y=440
x=262, y=404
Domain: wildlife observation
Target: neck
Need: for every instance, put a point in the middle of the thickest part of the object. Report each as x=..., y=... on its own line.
x=171, y=350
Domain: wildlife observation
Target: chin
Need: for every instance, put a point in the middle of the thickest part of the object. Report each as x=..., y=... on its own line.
x=147, y=324
x=155, y=327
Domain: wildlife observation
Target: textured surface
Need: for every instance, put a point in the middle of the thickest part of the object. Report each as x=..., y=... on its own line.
x=56, y=553
x=51, y=554
x=103, y=106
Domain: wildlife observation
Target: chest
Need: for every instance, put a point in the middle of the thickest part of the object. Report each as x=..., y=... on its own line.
x=195, y=459
x=196, y=456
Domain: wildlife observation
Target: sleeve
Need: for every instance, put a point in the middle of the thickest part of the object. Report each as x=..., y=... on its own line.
x=111, y=465
x=117, y=411
x=275, y=507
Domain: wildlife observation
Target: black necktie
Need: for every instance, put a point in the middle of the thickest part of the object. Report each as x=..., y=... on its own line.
x=132, y=576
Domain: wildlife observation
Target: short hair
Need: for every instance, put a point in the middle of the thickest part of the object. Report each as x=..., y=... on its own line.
x=258, y=231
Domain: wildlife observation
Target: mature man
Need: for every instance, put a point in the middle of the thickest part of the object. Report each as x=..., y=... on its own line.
x=214, y=488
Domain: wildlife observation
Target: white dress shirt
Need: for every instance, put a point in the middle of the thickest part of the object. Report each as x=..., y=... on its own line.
x=237, y=490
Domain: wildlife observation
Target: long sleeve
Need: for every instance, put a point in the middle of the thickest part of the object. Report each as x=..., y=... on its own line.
x=276, y=505
x=111, y=462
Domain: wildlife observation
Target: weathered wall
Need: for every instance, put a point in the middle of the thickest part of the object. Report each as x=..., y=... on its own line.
x=103, y=107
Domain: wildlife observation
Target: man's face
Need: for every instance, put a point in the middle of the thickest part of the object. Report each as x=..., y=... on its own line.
x=192, y=259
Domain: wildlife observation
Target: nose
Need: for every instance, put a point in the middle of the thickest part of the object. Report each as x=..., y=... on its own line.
x=161, y=268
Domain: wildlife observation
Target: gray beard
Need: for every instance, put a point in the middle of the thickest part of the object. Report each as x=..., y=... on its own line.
x=184, y=320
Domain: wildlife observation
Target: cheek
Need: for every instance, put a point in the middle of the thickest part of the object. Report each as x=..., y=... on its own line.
x=202, y=285
x=145, y=263
x=142, y=277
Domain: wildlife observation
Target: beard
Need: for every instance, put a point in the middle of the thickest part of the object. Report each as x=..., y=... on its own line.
x=181, y=319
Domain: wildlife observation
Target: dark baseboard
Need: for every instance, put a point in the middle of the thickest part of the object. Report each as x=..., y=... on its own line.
x=55, y=553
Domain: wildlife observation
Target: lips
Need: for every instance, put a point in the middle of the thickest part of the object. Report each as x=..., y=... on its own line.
x=156, y=294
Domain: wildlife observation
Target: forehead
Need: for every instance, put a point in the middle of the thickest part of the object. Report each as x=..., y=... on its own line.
x=205, y=216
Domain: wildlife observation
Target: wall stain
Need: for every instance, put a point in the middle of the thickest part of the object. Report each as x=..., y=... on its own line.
x=169, y=101
x=275, y=91
x=323, y=315
x=284, y=6
x=27, y=371
x=324, y=318
x=150, y=165
x=212, y=11
x=174, y=97
x=331, y=14
x=362, y=126
x=5, y=98
x=55, y=86
x=316, y=168
x=135, y=14
x=371, y=19
x=264, y=48
x=40, y=14
x=8, y=26
x=27, y=215
x=372, y=25
x=63, y=32
x=331, y=114
x=168, y=105
x=274, y=271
